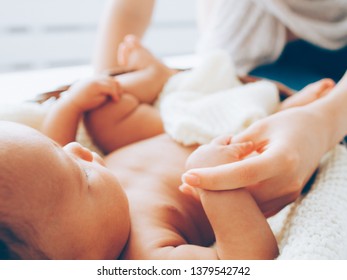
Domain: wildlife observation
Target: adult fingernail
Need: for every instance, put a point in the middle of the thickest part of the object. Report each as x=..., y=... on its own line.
x=191, y=179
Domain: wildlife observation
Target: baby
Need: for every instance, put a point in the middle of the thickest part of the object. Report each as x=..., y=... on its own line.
x=63, y=203
x=115, y=124
x=57, y=203
x=66, y=203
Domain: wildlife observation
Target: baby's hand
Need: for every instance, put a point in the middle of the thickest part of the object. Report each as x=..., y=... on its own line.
x=90, y=94
x=219, y=151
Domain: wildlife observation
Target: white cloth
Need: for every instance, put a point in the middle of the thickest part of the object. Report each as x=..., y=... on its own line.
x=208, y=101
x=315, y=226
x=253, y=32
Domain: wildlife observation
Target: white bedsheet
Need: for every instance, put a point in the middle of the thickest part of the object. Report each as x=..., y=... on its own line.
x=25, y=85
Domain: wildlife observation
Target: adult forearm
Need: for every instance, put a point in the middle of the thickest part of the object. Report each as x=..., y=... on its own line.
x=333, y=113
x=120, y=17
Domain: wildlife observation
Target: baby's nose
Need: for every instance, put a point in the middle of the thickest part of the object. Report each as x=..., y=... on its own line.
x=79, y=151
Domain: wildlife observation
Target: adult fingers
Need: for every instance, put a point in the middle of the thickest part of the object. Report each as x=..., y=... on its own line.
x=255, y=133
x=190, y=191
x=222, y=140
x=308, y=94
x=240, y=150
x=235, y=175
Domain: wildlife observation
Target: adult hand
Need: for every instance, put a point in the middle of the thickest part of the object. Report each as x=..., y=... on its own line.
x=289, y=144
x=219, y=151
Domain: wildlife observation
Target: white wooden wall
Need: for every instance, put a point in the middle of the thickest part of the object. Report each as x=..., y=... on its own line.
x=37, y=34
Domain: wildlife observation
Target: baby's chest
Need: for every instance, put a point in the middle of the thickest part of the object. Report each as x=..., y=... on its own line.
x=160, y=157
x=163, y=225
x=153, y=230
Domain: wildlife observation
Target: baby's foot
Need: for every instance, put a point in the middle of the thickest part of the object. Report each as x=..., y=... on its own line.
x=308, y=94
x=147, y=74
x=133, y=55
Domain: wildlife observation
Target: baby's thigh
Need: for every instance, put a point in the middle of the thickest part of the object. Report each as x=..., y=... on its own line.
x=147, y=119
x=113, y=112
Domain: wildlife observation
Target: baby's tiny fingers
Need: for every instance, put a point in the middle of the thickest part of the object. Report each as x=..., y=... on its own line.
x=191, y=191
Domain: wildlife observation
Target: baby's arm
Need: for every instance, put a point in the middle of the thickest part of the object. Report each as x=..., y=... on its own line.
x=241, y=229
x=62, y=120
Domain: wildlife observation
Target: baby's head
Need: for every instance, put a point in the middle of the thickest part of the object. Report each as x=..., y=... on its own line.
x=57, y=203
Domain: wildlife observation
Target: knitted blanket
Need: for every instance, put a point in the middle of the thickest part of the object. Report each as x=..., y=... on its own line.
x=315, y=226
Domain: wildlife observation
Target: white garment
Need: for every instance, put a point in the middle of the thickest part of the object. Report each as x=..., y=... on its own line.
x=208, y=101
x=254, y=31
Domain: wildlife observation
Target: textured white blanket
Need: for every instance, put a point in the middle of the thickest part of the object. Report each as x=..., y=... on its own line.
x=315, y=226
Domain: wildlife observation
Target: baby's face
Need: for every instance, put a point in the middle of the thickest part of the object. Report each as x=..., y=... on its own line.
x=76, y=204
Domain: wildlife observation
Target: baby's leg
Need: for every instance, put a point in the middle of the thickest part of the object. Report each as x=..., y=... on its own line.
x=308, y=94
x=241, y=229
x=149, y=73
x=117, y=124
